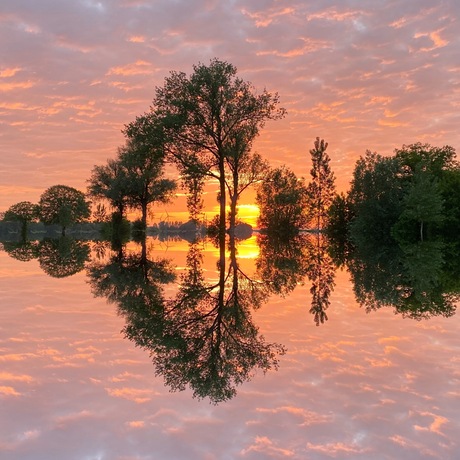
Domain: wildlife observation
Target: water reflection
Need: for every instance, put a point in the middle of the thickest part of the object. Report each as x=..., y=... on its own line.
x=321, y=273
x=59, y=257
x=199, y=330
x=203, y=337
x=411, y=278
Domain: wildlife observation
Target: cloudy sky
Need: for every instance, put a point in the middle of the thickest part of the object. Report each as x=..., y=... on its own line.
x=362, y=74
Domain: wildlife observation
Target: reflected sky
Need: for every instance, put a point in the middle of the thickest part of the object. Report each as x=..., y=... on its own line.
x=361, y=386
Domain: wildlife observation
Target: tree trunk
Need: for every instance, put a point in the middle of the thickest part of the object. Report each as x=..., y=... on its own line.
x=144, y=215
x=222, y=202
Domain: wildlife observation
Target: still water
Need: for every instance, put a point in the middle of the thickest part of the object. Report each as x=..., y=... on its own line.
x=74, y=385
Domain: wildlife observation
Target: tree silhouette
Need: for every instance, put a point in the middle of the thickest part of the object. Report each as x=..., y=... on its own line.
x=63, y=205
x=409, y=278
x=23, y=212
x=216, y=344
x=143, y=167
x=282, y=200
x=321, y=188
x=109, y=182
x=23, y=250
x=282, y=263
x=321, y=273
x=203, y=337
x=205, y=121
x=62, y=257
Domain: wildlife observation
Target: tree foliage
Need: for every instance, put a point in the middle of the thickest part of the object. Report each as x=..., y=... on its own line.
x=144, y=173
x=206, y=122
x=321, y=188
x=63, y=205
x=282, y=200
x=109, y=182
x=24, y=212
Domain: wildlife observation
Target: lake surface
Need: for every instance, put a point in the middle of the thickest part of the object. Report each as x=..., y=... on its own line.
x=358, y=386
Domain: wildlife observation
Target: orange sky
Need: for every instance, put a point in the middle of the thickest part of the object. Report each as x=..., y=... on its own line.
x=360, y=74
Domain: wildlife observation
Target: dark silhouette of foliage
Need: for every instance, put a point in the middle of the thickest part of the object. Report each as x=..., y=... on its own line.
x=62, y=257
x=321, y=188
x=144, y=173
x=23, y=251
x=409, y=278
x=375, y=198
x=23, y=212
x=282, y=200
x=206, y=122
x=321, y=273
x=216, y=344
x=203, y=337
x=63, y=205
x=109, y=182
x=282, y=263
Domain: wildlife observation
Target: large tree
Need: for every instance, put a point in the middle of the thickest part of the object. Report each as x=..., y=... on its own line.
x=201, y=117
x=321, y=188
x=63, y=205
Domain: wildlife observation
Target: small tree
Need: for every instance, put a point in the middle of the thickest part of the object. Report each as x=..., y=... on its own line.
x=63, y=205
x=109, y=182
x=144, y=173
x=321, y=189
x=422, y=206
x=23, y=212
x=282, y=198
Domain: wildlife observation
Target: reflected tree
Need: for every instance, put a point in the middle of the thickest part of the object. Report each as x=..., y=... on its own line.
x=129, y=278
x=217, y=346
x=62, y=257
x=203, y=337
x=321, y=273
x=282, y=262
x=409, y=278
x=23, y=250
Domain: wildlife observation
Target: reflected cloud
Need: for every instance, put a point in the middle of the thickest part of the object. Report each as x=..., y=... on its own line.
x=137, y=395
x=8, y=391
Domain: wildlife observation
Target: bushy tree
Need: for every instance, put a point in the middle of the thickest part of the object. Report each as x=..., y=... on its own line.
x=282, y=199
x=63, y=205
x=422, y=207
x=109, y=182
x=23, y=212
x=375, y=198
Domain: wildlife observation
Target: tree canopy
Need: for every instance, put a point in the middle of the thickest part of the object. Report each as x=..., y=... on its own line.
x=63, y=205
x=206, y=122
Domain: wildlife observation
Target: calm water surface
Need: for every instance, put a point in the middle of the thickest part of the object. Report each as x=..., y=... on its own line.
x=360, y=386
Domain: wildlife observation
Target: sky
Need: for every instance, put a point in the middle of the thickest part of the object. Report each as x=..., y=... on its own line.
x=360, y=74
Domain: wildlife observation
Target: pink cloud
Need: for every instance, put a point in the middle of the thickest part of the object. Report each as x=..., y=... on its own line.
x=265, y=446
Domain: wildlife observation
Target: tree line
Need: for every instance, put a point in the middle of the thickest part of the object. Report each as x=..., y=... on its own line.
x=205, y=124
